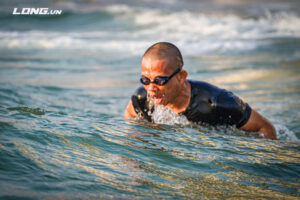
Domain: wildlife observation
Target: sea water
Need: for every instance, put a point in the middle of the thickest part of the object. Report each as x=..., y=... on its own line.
x=65, y=81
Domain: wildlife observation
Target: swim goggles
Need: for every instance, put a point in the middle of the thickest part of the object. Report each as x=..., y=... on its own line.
x=159, y=80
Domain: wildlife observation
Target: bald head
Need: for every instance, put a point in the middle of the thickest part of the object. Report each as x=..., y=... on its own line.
x=165, y=50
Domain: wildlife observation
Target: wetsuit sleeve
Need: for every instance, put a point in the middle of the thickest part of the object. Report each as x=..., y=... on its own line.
x=140, y=103
x=232, y=110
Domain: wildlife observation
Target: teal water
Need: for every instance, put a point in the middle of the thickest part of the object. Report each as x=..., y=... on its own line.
x=65, y=82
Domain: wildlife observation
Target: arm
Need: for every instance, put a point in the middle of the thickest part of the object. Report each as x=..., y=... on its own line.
x=258, y=123
x=130, y=112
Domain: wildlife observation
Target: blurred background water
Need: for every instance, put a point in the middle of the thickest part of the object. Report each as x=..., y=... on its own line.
x=65, y=81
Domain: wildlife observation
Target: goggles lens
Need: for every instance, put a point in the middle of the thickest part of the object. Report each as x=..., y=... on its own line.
x=158, y=80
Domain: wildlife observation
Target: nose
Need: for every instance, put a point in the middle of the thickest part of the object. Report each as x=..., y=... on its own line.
x=152, y=87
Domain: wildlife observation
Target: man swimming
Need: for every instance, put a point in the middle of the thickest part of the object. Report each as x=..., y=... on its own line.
x=164, y=82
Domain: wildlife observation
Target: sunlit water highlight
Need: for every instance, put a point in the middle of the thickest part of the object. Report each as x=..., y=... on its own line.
x=66, y=80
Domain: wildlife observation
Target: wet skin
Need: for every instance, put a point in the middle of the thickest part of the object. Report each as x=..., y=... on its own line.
x=174, y=94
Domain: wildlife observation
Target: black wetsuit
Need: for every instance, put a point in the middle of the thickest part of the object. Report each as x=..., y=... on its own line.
x=208, y=104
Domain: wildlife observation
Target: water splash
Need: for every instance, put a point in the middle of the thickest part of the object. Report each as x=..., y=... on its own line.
x=164, y=115
x=283, y=133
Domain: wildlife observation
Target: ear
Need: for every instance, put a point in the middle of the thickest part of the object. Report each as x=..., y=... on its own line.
x=183, y=75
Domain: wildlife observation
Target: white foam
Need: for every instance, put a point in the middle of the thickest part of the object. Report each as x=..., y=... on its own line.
x=283, y=133
x=194, y=33
x=197, y=25
x=119, y=8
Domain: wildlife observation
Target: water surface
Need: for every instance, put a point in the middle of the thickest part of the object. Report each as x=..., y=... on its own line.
x=65, y=82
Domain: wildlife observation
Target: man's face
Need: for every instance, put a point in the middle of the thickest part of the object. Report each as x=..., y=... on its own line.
x=161, y=94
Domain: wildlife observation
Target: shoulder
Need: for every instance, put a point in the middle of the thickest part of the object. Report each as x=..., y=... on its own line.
x=139, y=98
x=227, y=107
x=202, y=84
x=228, y=99
x=236, y=109
x=218, y=93
x=204, y=89
x=140, y=93
x=140, y=103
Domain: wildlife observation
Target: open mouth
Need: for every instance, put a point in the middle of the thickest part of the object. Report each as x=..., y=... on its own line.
x=156, y=99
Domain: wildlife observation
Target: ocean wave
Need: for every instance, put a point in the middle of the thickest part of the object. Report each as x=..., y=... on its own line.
x=227, y=26
x=195, y=33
